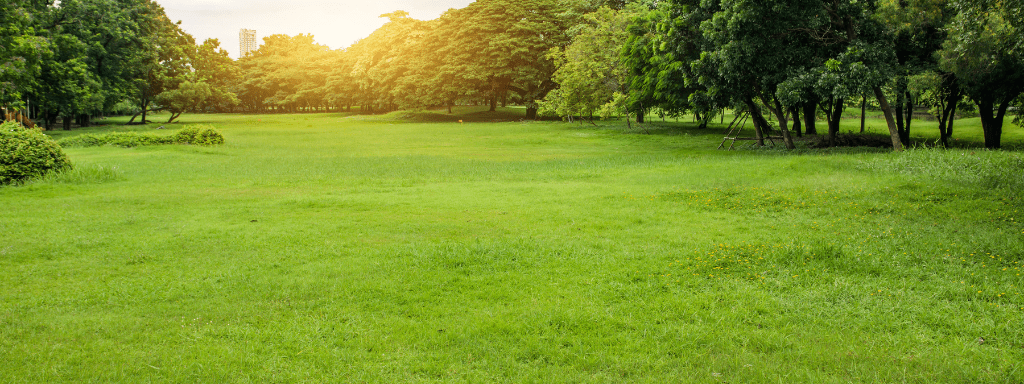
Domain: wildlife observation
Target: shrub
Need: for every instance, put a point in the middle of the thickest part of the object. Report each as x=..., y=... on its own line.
x=192, y=134
x=27, y=153
x=82, y=141
x=198, y=135
x=117, y=139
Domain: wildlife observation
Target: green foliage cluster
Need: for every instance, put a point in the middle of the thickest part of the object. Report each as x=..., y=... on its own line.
x=816, y=57
x=573, y=58
x=193, y=135
x=491, y=52
x=27, y=153
x=198, y=135
x=82, y=58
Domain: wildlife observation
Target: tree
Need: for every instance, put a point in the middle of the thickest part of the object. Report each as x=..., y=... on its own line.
x=165, y=61
x=941, y=92
x=212, y=66
x=278, y=73
x=187, y=97
x=982, y=53
x=663, y=42
x=748, y=59
x=21, y=53
x=590, y=70
x=498, y=46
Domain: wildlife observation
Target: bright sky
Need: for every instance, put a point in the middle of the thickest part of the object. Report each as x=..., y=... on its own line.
x=337, y=23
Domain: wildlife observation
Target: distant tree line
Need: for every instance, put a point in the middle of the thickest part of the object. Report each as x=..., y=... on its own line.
x=789, y=60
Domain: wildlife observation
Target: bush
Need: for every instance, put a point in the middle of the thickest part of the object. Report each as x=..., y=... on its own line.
x=192, y=134
x=117, y=139
x=198, y=135
x=27, y=153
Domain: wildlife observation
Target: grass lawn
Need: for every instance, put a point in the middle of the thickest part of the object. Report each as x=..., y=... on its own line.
x=410, y=247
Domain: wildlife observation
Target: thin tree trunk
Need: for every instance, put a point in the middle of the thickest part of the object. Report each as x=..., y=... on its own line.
x=795, y=111
x=947, y=116
x=897, y=144
x=905, y=137
x=835, y=113
x=898, y=111
x=758, y=120
x=780, y=114
x=863, y=110
x=145, y=107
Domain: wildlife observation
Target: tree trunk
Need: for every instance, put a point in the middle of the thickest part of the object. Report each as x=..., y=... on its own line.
x=145, y=107
x=863, y=110
x=947, y=115
x=909, y=119
x=992, y=121
x=897, y=144
x=946, y=123
x=795, y=111
x=759, y=122
x=494, y=102
x=133, y=117
x=810, y=111
x=898, y=111
x=67, y=123
x=531, y=113
x=780, y=114
x=835, y=115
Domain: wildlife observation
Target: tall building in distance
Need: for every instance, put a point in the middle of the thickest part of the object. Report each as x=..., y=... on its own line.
x=246, y=42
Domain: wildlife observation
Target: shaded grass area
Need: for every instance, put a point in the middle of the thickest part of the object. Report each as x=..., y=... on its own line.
x=374, y=249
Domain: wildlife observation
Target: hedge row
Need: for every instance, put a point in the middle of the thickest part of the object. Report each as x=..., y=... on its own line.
x=192, y=134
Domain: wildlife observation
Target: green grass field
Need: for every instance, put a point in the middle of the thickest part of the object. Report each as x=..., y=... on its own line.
x=412, y=248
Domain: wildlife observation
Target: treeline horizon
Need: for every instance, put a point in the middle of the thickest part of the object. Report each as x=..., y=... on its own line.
x=796, y=61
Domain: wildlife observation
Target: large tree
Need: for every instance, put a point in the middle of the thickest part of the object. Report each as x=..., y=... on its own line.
x=985, y=55
x=590, y=70
x=500, y=46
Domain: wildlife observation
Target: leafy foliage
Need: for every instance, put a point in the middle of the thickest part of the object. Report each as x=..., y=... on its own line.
x=27, y=153
x=193, y=134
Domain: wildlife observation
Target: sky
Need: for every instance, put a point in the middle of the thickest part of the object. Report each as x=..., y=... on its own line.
x=336, y=24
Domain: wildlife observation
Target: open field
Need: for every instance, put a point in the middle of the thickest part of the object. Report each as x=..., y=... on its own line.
x=411, y=248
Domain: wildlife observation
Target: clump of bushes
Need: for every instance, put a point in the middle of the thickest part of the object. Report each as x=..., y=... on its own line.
x=117, y=139
x=26, y=153
x=192, y=135
x=198, y=135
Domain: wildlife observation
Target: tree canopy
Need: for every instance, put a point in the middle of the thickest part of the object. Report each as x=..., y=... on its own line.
x=573, y=58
